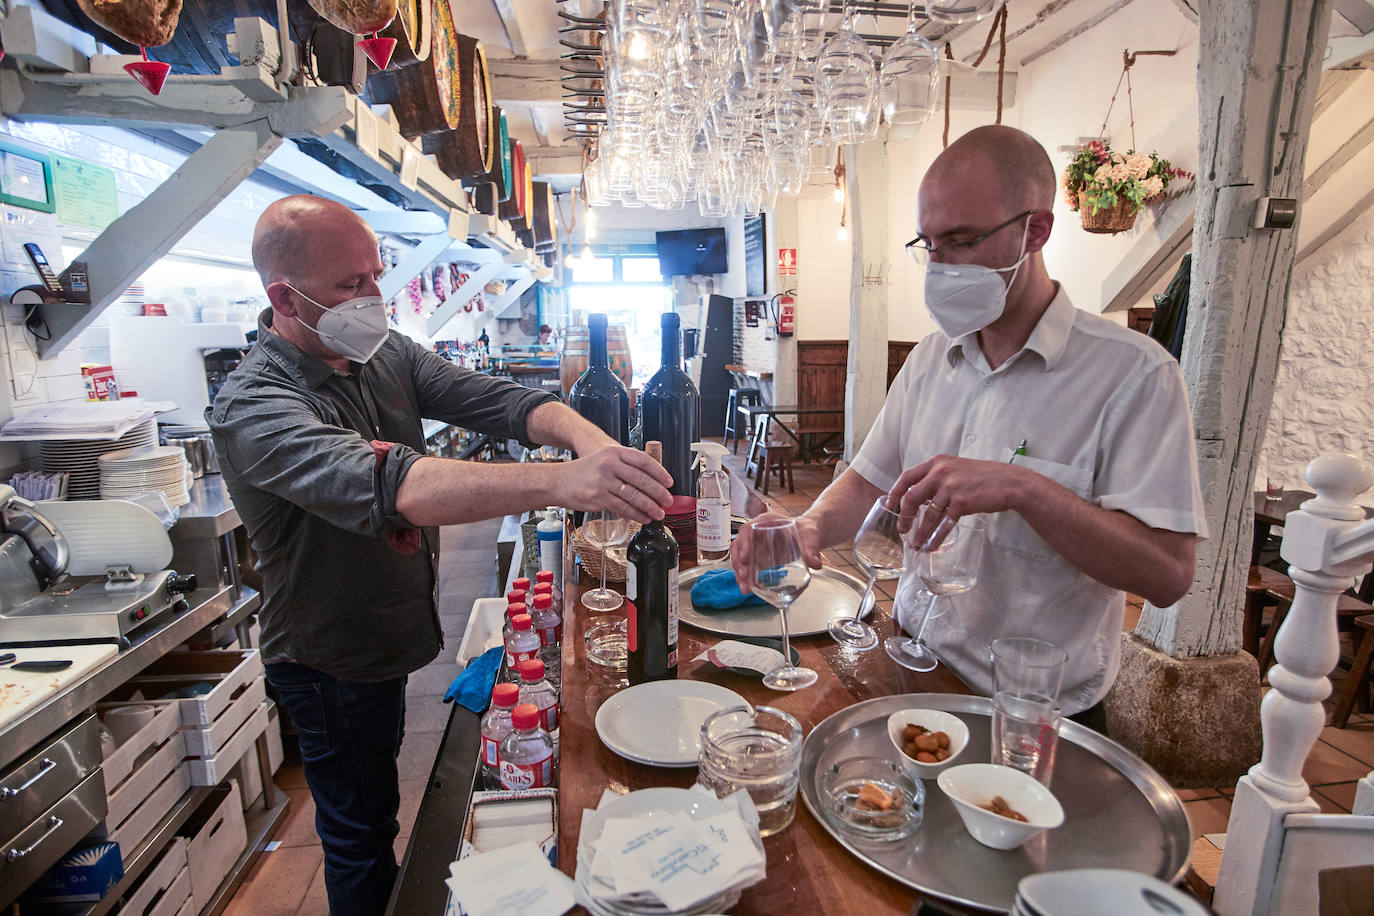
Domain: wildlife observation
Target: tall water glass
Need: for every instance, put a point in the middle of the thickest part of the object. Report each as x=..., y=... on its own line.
x=758, y=750
x=1026, y=675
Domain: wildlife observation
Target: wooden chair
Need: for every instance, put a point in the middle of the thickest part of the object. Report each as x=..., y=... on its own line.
x=1356, y=684
x=774, y=458
x=1270, y=588
x=739, y=397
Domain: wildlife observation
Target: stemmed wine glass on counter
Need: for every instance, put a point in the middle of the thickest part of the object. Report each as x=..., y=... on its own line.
x=610, y=532
x=780, y=575
x=878, y=548
x=946, y=564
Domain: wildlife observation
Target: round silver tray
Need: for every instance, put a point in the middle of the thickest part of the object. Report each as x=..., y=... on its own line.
x=831, y=594
x=1118, y=812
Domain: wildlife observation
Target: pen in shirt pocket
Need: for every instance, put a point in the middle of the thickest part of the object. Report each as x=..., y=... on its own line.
x=1019, y=450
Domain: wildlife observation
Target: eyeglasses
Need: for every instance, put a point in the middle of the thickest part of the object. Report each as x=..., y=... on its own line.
x=920, y=248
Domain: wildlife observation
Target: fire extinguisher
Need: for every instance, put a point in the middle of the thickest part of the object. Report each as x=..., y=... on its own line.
x=787, y=316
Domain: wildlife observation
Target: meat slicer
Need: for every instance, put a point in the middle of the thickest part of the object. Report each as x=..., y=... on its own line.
x=83, y=571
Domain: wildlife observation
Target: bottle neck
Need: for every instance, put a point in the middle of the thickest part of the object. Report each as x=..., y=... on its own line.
x=672, y=348
x=597, y=354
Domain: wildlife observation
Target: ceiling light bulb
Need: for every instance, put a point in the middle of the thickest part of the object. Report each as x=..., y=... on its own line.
x=587, y=256
x=842, y=234
x=839, y=194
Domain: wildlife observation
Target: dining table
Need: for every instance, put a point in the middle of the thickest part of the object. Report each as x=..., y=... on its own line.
x=1271, y=511
x=827, y=423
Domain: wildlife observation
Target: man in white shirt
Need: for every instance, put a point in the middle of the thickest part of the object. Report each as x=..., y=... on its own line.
x=1105, y=498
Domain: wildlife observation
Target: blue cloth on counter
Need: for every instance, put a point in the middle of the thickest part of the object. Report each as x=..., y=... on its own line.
x=472, y=688
x=717, y=589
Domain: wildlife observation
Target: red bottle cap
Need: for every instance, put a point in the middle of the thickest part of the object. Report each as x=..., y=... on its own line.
x=532, y=669
x=514, y=610
x=544, y=588
x=521, y=622
x=525, y=716
x=505, y=695
x=544, y=575
x=515, y=596
x=543, y=601
x=522, y=583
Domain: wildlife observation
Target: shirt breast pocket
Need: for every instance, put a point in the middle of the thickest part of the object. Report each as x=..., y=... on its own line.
x=1010, y=532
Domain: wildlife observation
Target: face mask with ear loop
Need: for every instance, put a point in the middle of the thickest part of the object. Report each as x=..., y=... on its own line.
x=965, y=298
x=354, y=329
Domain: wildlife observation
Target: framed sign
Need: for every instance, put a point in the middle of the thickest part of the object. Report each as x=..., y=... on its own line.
x=26, y=178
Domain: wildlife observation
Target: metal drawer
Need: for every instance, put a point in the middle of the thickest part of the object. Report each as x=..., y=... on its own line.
x=51, y=836
x=35, y=783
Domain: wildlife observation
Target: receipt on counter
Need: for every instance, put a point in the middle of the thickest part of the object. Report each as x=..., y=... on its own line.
x=482, y=884
x=732, y=653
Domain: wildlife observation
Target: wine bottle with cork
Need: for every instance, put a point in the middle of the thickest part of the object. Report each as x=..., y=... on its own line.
x=651, y=573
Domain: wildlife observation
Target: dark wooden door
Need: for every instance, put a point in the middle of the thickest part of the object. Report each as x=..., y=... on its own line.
x=822, y=367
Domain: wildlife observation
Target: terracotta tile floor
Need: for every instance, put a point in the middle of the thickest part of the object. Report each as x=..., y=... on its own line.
x=290, y=880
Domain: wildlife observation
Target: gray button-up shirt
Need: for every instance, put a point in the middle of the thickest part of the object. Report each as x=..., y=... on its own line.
x=312, y=458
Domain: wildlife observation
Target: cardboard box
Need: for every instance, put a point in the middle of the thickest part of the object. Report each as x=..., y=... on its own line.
x=217, y=836
x=84, y=875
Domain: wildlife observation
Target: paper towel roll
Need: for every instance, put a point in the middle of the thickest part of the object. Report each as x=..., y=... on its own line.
x=125, y=721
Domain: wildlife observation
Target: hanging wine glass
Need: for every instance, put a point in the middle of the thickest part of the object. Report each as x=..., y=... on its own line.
x=955, y=11
x=909, y=76
x=847, y=82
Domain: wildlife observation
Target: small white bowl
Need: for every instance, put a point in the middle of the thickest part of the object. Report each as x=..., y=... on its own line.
x=932, y=720
x=974, y=784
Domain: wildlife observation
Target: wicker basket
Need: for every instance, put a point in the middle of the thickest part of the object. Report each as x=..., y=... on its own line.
x=1111, y=220
x=592, y=557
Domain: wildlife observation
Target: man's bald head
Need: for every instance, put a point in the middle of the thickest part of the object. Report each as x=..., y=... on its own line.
x=296, y=233
x=1012, y=158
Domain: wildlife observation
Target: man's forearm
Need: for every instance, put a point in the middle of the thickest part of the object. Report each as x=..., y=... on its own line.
x=441, y=491
x=1112, y=547
x=841, y=508
x=553, y=423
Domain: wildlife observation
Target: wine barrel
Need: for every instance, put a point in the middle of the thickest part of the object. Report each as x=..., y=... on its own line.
x=426, y=97
x=465, y=152
x=412, y=28
x=543, y=218
x=618, y=353
x=513, y=205
x=200, y=45
x=573, y=362
x=499, y=175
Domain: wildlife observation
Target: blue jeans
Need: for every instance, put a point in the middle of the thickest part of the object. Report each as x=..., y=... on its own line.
x=350, y=734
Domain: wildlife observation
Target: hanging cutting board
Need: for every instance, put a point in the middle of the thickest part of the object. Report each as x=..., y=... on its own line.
x=109, y=532
x=22, y=691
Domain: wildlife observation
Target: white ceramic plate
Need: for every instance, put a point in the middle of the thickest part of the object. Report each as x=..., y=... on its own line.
x=659, y=723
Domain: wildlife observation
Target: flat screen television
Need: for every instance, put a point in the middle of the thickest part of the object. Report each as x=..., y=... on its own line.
x=691, y=251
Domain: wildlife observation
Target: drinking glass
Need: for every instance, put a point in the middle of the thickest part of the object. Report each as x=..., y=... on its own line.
x=847, y=82
x=879, y=550
x=758, y=750
x=909, y=76
x=946, y=564
x=1026, y=675
x=951, y=12
x=604, y=530
x=780, y=575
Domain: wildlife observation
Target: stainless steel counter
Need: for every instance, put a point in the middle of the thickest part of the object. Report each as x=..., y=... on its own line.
x=206, y=606
x=209, y=514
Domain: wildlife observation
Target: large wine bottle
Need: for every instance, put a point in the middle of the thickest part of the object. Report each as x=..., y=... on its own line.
x=597, y=394
x=670, y=410
x=651, y=593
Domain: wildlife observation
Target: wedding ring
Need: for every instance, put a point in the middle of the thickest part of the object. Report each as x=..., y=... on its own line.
x=621, y=491
x=939, y=508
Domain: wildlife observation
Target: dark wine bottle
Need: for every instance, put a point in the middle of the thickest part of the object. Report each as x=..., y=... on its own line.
x=670, y=410
x=597, y=394
x=651, y=567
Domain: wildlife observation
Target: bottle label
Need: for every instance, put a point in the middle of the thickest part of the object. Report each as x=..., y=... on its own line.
x=631, y=625
x=548, y=717
x=513, y=659
x=489, y=746
x=713, y=525
x=535, y=775
x=551, y=635
x=672, y=616
x=631, y=582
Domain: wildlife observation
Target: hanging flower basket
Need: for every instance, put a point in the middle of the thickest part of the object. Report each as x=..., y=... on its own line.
x=1109, y=219
x=1109, y=188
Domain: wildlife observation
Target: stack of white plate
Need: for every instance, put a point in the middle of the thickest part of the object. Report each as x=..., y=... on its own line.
x=79, y=459
x=1093, y=891
x=139, y=470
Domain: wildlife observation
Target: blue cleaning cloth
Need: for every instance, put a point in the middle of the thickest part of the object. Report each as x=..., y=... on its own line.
x=717, y=589
x=472, y=688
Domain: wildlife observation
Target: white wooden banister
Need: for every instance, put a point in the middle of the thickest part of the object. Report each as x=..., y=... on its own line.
x=1326, y=542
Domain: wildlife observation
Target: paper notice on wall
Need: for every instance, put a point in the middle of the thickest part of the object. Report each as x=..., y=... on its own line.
x=85, y=192
x=17, y=226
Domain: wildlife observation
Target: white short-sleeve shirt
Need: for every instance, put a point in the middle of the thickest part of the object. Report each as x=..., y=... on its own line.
x=1104, y=412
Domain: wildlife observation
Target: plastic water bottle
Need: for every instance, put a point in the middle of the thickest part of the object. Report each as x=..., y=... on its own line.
x=522, y=584
x=523, y=644
x=536, y=689
x=545, y=577
x=516, y=596
x=550, y=534
x=549, y=626
x=526, y=754
x=496, y=724
x=511, y=672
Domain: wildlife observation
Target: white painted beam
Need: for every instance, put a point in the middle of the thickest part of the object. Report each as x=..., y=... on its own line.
x=445, y=312
x=511, y=23
x=514, y=290
x=412, y=263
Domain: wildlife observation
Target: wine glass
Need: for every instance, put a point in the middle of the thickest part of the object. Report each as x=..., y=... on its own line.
x=946, y=564
x=606, y=530
x=878, y=548
x=780, y=575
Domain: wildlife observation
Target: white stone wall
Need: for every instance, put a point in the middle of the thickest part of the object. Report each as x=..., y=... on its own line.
x=1324, y=399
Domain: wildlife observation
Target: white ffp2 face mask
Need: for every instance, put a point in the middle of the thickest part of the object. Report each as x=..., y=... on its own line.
x=354, y=329
x=964, y=298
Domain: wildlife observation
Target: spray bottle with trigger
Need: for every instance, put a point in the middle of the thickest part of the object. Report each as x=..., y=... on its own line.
x=713, y=502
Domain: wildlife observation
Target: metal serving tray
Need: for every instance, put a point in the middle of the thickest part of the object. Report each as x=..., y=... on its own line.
x=831, y=594
x=1118, y=812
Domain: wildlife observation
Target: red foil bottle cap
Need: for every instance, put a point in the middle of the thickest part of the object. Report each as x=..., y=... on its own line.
x=505, y=695
x=532, y=669
x=525, y=716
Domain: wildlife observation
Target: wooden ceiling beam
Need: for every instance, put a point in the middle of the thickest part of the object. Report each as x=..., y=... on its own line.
x=505, y=9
